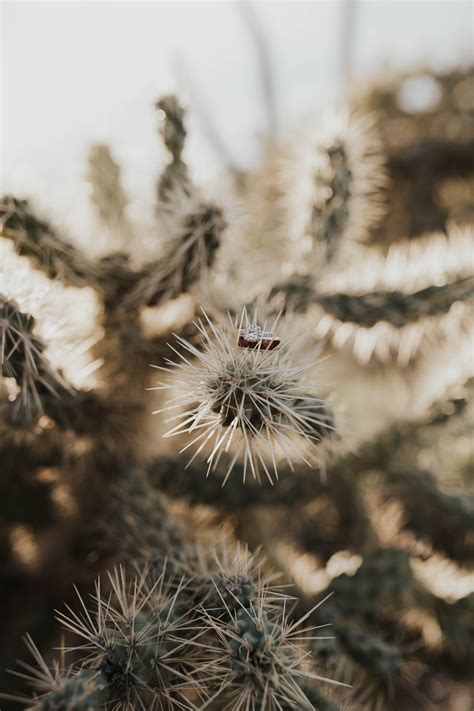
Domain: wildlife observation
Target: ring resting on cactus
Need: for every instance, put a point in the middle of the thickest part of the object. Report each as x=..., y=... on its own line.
x=246, y=403
x=253, y=336
x=214, y=634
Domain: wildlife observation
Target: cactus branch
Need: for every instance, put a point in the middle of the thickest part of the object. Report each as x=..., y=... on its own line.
x=397, y=308
x=366, y=310
x=38, y=241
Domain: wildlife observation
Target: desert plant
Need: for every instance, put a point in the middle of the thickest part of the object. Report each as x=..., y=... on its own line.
x=171, y=611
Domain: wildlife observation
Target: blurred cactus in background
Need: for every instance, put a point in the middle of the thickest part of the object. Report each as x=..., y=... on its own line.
x=305, y=538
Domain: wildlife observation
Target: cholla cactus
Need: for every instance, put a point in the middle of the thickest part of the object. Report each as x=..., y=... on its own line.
x=191, y=233
x=386, y=307
x=161, y=641
x=35, y=239
x=107, y=193
x=190, y=616
x=172, y=128
x=333, y=183
x=259, y=659
x=138, y=641
x=247, y=388
x=22, y=358
x=59, y=686
x=425, y=123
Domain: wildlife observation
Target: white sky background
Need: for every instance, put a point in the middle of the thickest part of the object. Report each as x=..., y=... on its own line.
x=74, y=73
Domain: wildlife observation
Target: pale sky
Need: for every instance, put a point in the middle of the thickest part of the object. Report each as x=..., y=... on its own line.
x=80, y=72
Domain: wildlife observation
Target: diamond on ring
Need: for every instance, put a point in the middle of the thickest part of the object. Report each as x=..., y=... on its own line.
x=253, y=336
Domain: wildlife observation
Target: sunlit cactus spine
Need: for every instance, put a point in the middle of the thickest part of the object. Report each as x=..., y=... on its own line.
x=387, y=308
x=247, y=390
x=191, y=231
x=333, y=181
x=22, y=358
x=213, y=635
x=190, y=619
x=59, y=687
x=38, y=241
x=137, y=641
x=255, y=654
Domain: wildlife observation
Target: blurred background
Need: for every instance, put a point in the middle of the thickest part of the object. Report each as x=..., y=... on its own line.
x=76, y=73
x=159, y=157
